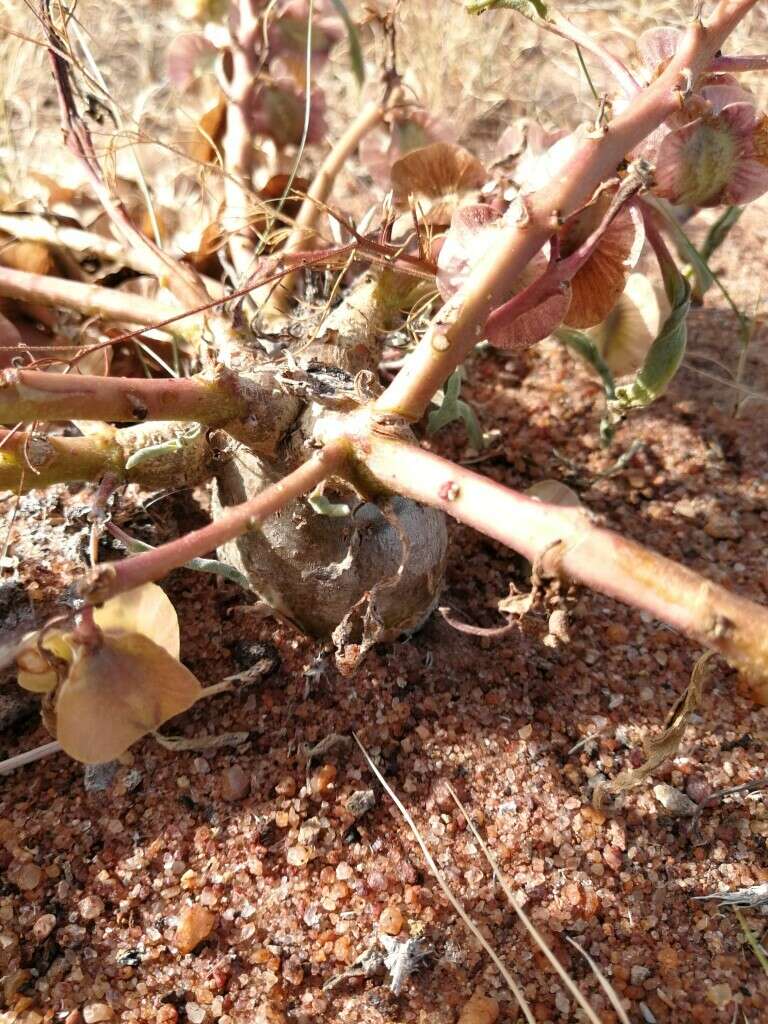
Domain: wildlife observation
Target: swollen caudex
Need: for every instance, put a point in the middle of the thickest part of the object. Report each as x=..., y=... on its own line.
x=362, y=570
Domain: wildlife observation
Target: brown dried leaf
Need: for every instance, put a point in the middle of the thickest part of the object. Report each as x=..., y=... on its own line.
x=117, y=693
x=659, y=748
x=440, y=178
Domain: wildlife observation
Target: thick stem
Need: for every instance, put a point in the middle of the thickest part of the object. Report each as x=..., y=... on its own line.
x=567, y=544
x=88, y=299
x=116, y=577
x=304, y=227
x=152, y=455
x=461, y=323
x=29, y=395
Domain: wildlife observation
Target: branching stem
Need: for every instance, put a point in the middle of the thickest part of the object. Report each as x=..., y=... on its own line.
x=116, y=577
x=568, y=544
x=460, y=325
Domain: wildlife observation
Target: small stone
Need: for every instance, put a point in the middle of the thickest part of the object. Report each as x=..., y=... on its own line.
x=25, y=875
x=638, y=974
x=43, y=927
x=95, y=1012
x=297, y=856
x=674, y=801
x=167, y=1014
x=195, y=1013
x=391, y=921
x=480, y=1009
x=720, y=995
x=617, y=633
x=189, y=880
x=195, y=925
x=323, y=779
x=722, y=527
x=235, y=784
x=525, y=733
x=286, y=786
x=90, y=908
x=309, y=831
x=360, y=802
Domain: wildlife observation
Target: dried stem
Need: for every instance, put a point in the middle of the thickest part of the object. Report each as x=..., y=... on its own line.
x=567, y=543
x=304, y=227
x=28, y=395
x=34, y=228
x=754, y=62
x=116, y=577
x=150, y=455
x=237, y=144
x=180, y=279
x=564, y=28
x=88, y=299
x=461, y=323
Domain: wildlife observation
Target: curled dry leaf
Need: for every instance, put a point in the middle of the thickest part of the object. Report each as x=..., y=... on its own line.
x=187, y=56
x=278, y=110
x=116, y=693
x=36, y=672
x=597, y=286
x=659, y=748
x=125, y=686
x=627, y=333
x=147, y=610
x=471, y=236
x=441, y=178
x=385, y=145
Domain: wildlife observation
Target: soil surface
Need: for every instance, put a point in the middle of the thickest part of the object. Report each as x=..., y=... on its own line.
x=240, y=883
x=99, y=875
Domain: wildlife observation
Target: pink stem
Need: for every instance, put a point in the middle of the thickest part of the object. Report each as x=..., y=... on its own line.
x=567, y=30
x=459, y=325
x=567, y=543
x=756, y=62
x=116, y=577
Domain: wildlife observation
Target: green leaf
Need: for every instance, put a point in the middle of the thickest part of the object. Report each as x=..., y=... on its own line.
x=585, y=348
x=685, y=247
x=355, y=50
x=720, y=230
x=453, y=408
x=320, y=504
x=530, y=9
x=211, y=565
x=666, y=353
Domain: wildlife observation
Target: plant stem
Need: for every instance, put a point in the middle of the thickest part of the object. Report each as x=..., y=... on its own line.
x=237, y=144
x=169, y=455
x=88, y=299
x=116, y=577
x=564, y=28
x=460, y=324
x=706, y=612
x=34, y=228
x=318, y=193
x=755, y=62
x=28, y=395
